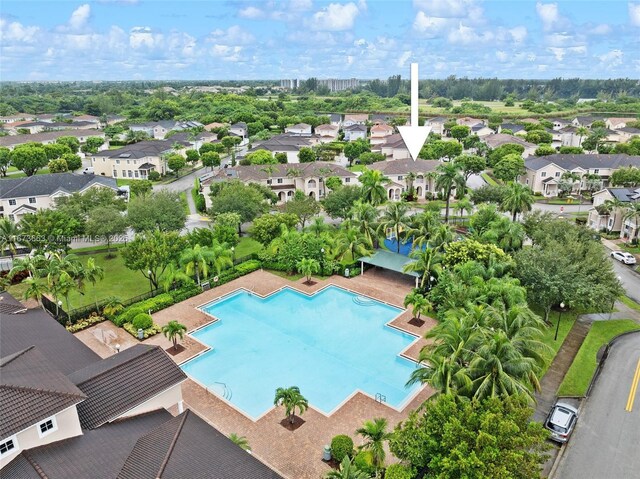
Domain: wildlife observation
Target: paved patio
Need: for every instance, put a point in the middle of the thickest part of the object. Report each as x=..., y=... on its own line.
x=297, y=454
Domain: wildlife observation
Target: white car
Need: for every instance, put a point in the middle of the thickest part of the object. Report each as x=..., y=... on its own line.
x=561, y=421
x=623, y=257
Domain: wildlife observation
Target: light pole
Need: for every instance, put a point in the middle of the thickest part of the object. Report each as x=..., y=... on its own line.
x=150, y=284
x=233, y=253
x=555, y=338
x=321, y=261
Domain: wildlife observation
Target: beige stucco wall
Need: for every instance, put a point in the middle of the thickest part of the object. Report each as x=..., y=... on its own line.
x=164, y=400
x=104, y=166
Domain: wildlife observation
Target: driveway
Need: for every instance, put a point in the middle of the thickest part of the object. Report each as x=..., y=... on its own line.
x=606, y=441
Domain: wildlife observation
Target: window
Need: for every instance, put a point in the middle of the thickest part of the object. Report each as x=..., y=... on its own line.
x=12, y=217
x=32, y=200
x=47, y=426
x=128, y=162
x=8, y=446
x=115, y=174
x=269, y=181
x=279, y=180
x=136, y=173
x=400, y=177
x=527, y=180
x=543, y=174
x=557, y=174
x=596, y=171
x=124, y=173
x=347, y=180
x=117, y=162
x=12, y=202
x=104, y=159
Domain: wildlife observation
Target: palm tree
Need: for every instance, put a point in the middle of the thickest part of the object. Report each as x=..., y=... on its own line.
x=422, y=227
x=449, y=178
x=112, y=305
x=442, y=236
x=93, y=273
x=426, y=263
x=9, y=233
x=308, y=266
x=581, y=132
x=174, y=330
x=373, y=190
x=351, y=241
x=615, y=205
x=395, y=218
x=409, y=179
x=375, y=434
x=419, y=302
x=317, y=226
x=347, y=470
x=632, y=213
x=197, y=259
x=35, y=289
x=173, y=276
x=240, y=441
x=269, y=170
x=222, y=257
x=291, y=399
x=464, y=205
x=518, y=199
x=363, y=216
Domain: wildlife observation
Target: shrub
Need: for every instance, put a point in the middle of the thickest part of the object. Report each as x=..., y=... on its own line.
x=399, y=471
x=248, y=266
x=154, y=304
x=364, y=462
x=341, y=446
x=85, y=323
x=153, y=175
x=142, y=321
x=127, y=315
x=133, y=331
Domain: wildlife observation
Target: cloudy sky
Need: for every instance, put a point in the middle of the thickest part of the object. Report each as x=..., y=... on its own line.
x=269, y=39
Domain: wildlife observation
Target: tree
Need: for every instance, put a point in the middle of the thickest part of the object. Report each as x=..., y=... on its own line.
x=518, y=199
x=261, y=157
x=440, y=149
x=106, y=222
x=594, y=140
x=333, y=183
x=175, y=163
x=375, y=435
x=152, y=252
x=427, y=263
x=73, y=161
x=49, y=230
x=162, y=210
x=373, y=190
x=211, y=148
x=303, y=206
x=281, y=158
x=545, y=150
x=354, y=149
x=291, y=399
x=55, y=151
x=460, y=252
x=230, y=143
x=93, y=273
x=395, y=218
x=449, y=178
x=539, y=137
x=28, y=158
x=193, y=156
x=353, y=243
x=210, y=159
x=338, y=203
x=236, y=197
x=9, y=234
x=364, y=217
x=58, y=166
x=570, y=150
x=443, y=438
x=141, y=187
x=71, y=141
x=368, y=157
x=632, y=213
x=5, y=160
x=347, y=471
x=460, y=132
x=92, y=144
x=470, y=165
x=240, y=441
x=307, y=267
x=196, y=259
x=35, y=290
x=306, y=155
x=112, y=305
x=419, y=304
x=174, y=330
x=509, y=167
x=628, y=176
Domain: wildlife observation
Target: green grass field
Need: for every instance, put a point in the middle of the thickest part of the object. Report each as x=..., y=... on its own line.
x=488, y=179
x=630, y=303
x=247, y=246
x=584, y=365
x=13, y=172
x=566, y=323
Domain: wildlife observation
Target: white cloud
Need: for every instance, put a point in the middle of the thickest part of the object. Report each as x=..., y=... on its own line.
x=502, y=56
x=80, y=16
x=251, y=12
x=612, y=58
x=518, y=34
x=403, y=59
x=17, y=32
x=549, y=14
x=226, y=52
x=602, y=29
x=430, y=26
x=449, y=8
x=335, y=17
x=234, y=35
x=465, y=35
x=140, y=37
x=634, y=14
x=560, y=52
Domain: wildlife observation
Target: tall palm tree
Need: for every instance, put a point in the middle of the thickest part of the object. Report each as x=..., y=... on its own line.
x=442, y=235
x=518, y=199
x=222, y=257
x=174, y=275
x=409, y=179
x=196, y=259
x=632, y=213
x=291, y=398
x=426, y=263
x=240, y=441
x=373, y=190
x=35, y=289
x=9, y=234
x=449, y=178
x=419, y=303
x=423, y=226
x=32, y=264
x=363, y=217
x=347, y=470
x=93, y=273
x=174, y=330
x=353, y=242
x=464, y=205
x=317, y=226
x=307, y=267
x=581, y=131
x=395, y=217
x=375, y=434
x=615, y=205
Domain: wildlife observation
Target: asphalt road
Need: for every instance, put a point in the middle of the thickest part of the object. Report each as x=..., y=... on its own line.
x=631, y=282
x=606, y=441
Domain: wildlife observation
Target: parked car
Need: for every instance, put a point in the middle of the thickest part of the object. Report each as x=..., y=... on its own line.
x=561, y=421
x=623, y=257
x=88, y=170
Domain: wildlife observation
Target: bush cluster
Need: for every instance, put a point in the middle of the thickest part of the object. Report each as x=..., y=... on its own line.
x=154, y=304
x=94, y=318
x=341, y=446
x=142, y=321
x=133, y=331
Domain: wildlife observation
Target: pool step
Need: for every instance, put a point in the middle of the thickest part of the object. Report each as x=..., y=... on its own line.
x=364, y=301
x=226, y=391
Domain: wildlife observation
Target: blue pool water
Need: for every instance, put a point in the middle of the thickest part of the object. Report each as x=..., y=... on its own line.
x=329, y=345
x=405, y=248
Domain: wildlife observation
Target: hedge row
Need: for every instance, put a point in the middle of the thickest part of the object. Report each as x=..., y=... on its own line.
x=133, y=331
x=85, y=323
x=154, y=304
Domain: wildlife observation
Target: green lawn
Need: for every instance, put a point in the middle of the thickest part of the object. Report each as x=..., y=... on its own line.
x=631, y=249
x=356, y=168
x=584, y=365
x=566, y=323
x=488, y=179
x=13, y=172
x=185, y=203
x=630, y=303
x=247, y=246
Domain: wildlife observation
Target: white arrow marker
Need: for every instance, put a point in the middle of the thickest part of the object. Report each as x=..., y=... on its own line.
x=414, y=136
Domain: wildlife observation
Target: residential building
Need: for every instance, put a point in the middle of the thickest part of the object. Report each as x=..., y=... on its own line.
x=499, y=139
x=393, y=148
x=113, y=119
x=16, y=117
x=22, y=196
x=285, y=180
x=481, y=130
x=437, y=124
x=559, y=123
x=626, y=133
x=327, y=133
x=355, y=119
x=159, y=129
x=405, y=173
x=287, y=144
x=379, y=133
x=617, y=123
x=49, y=137
x=585, y=121
x=335, y=119
x=569, y=136
x=514, y=127
x=213, y=125
x=613, y=220
x=195, y=140
x=300, y=129
x=239, y=129
x=355, y=132
x=468, y=121
x=545, y=172
x=135, y=161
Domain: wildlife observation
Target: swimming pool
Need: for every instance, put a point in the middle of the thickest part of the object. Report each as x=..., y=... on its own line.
x=329, y=344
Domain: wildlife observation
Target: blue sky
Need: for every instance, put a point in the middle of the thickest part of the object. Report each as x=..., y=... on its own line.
x=225, y=39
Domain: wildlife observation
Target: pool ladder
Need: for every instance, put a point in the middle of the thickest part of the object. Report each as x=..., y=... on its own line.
x=381, y=398
x=226, y=392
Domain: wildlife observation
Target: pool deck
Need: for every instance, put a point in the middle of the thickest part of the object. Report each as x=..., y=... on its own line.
x=294, y=454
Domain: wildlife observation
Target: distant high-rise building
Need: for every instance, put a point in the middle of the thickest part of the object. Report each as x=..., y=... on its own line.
x=333, y=84
x=290, y=83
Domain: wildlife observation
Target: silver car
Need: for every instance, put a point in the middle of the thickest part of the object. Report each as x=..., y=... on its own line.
x=624, y=257
x=561, y=421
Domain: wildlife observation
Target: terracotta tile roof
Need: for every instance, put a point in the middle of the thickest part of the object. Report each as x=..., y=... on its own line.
x=186, y=446
x=31, y=389
x=119, y=383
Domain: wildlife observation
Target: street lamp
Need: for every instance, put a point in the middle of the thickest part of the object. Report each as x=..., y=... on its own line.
x=555, y=338
x=233, y=253
x=118, y=348
x=150, y=284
